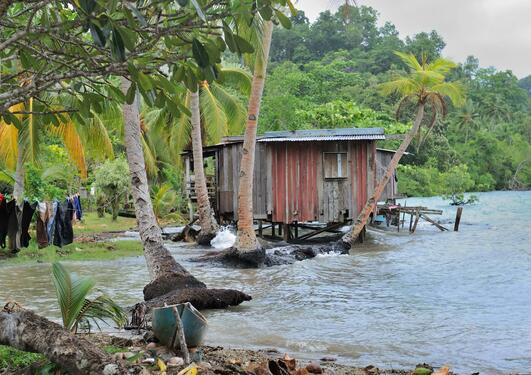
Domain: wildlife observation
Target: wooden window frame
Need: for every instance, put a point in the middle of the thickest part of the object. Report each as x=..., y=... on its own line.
x=341, y=160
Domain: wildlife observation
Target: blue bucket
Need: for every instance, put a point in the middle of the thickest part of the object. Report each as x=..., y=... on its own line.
x=194, y=324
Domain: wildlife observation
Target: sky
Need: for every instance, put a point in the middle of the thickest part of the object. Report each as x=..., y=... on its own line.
x=498, y=32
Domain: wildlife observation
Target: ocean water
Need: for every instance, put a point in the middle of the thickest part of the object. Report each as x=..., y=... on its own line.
x=458, y=298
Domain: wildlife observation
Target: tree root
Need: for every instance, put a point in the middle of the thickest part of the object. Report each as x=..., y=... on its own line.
x=201, y=298
x=282, y=255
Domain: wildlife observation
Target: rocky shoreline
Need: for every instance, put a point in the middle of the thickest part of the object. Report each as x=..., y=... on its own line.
x=210, y=360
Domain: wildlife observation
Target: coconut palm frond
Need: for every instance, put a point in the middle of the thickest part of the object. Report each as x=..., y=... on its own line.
x=97, y=137
x=410, y=60
x=441, y=66
x=5, y=176
x=212, y=115
x=452, y=90
x=181, y=131
x=101, y=308
x=71, y=294
x=234, y=110
x=403, y=86
x=73, y=144
x=253, y=34
x=9, y=135
x=238, y=77
x=150, y=159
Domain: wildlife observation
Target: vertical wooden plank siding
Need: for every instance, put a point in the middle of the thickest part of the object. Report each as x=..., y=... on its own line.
x=294, y=181
x=359, y=180
x=289, y=180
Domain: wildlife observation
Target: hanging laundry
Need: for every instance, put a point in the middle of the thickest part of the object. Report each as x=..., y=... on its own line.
x=50, y=227
x=68, y=216
x=58, y=231
x=77, y=206
x=3, y=221
x=13, y=210
x=28, y=210
x=41, y=224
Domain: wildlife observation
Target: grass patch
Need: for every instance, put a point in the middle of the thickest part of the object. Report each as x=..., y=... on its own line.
x=11, y=358
x=112, y=349
x=78, y=251
x=93, y=224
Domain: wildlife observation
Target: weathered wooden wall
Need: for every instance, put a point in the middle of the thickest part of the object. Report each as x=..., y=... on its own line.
x=228, y=171
x=290, y=183
x=300, y=191
x=383, y=158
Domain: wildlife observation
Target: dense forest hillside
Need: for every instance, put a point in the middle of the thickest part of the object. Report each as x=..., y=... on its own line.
x=327, y=73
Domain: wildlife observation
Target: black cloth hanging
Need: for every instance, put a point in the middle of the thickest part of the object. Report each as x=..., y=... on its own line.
x=58, y=224
x=3, y=221
x=13, y=243
x=68, y=216
x=27, y=214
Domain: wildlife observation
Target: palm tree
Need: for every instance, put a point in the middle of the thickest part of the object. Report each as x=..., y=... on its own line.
x=207, y=221
x=215, y=113
x=166, y=274
x=467, y=118
x=425, y=86
x=247, y=248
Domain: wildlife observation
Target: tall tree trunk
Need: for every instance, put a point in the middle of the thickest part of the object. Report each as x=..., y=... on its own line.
x=167, y=276
x=349, y=238
x=207, y=221
x=247, y=247
x=18, y=188
x=158, y=258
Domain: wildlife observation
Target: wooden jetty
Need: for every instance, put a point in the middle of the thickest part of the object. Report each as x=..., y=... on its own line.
x=393, y=212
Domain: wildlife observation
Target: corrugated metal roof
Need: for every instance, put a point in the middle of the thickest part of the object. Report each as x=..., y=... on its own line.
x=336, y=138
x=324, y=135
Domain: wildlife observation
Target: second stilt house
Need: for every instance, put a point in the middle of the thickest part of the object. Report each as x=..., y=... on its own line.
x=300, y=176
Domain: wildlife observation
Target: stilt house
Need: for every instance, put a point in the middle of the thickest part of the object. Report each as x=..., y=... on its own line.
x=300, y=176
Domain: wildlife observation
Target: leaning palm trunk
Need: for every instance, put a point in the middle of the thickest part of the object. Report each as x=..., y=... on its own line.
x=350, y=237
x=209, y=226
x=27, y=331
x=247, y=247
x=168, y=278
x=18, y=188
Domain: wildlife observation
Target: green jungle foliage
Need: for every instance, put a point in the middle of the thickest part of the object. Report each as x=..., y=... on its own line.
x=327, y=73
x=112, y=184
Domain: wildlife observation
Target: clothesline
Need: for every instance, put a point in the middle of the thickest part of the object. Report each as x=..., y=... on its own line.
x=53, y=222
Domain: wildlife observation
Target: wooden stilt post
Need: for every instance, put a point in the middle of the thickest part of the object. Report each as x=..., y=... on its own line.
x=285, y=232
x=458, y=218
x=410, y=221
x=296, y=230
x=417, y=217
x=398, y=223
x=179, y=336
x=280, y=229
x=272, y=229
x=260, y=228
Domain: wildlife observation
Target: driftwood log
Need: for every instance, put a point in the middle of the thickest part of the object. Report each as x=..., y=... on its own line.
x=24, y=330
